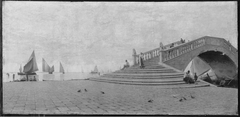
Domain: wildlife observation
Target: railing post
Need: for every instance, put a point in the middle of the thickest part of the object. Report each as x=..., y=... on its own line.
x=134, y=57
x=178, y=51
x=160, y=52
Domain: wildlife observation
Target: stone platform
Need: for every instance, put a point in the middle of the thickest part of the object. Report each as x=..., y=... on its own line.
x=62, y=97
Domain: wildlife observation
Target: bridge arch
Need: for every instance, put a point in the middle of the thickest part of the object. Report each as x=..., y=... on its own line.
x=179, y=57
x=218, y=62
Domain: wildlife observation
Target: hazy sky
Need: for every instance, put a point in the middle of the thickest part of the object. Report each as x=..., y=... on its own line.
x=85, y=34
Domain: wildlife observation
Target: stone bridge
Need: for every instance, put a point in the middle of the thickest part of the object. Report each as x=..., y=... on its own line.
x=181, y=54
x=164, y=65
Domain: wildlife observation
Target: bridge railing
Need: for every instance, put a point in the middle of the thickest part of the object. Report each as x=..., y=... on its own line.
x=181, y=49
x=194, y=44
x=227, y=45
x=168, y=53
x=152, y=53
x=148, y=55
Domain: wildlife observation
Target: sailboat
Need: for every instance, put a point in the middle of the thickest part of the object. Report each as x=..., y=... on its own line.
x=95, y=71
x=20, y=71
x=46, y=67
x=51, y=70
x=61, y=68
x=31, y=67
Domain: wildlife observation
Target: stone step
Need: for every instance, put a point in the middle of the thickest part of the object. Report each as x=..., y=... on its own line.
x=146, y=77
x=151, y=61
x=165, y=69
x=165, y=85
x=145, y=72
x=143, y=75
x=148, y=83
x=142, y=80
x=148, y=67
x=138, y=83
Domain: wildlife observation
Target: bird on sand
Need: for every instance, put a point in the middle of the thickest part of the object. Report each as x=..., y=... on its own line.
x=79, y=90
x=150, y=101
x=85, y=90
x=102, y=92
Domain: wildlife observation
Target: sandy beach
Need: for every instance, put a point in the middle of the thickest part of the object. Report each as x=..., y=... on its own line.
x=62, y=97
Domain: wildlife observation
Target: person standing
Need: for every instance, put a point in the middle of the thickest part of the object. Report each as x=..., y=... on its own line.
x=13, y=77
x=141, y=61
x=195, y=77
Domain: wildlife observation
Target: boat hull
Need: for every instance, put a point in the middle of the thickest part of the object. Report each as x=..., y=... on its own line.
x=27, y=78
x=21, y=74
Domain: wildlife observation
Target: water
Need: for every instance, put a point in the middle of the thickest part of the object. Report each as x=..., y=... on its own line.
x=55, y=76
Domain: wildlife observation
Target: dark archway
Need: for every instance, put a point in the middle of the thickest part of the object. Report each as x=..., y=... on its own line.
x=221, y=64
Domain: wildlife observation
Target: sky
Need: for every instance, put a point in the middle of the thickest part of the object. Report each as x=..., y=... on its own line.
x=81, y=35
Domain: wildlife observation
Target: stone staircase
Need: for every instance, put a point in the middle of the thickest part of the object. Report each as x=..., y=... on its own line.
x=152, y=75
x=171, y=58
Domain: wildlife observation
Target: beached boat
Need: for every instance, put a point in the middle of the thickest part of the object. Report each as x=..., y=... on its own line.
x=61, y=68
x=46, y=67
x=29, y=69
x=51, y=70
x=95, y=71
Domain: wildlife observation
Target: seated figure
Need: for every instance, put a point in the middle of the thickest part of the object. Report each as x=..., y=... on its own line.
x=187, y=78
x=126, y=65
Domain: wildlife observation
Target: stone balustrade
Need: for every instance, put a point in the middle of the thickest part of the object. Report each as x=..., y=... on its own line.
x=179, y=49
x=147, y=55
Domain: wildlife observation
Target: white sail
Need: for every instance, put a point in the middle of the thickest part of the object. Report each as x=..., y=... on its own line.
x=61, y=68
x=31, y=65
x=45, y=66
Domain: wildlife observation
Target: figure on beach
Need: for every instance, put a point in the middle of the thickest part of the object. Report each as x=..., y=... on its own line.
x=195, y=77
x=141, y=61
x=13, y=77
x=126, y=65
